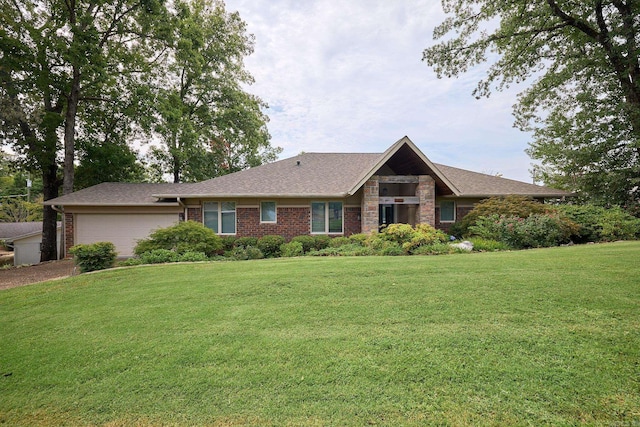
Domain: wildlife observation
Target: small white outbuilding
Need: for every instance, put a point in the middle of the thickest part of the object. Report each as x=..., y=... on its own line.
x=25, y=238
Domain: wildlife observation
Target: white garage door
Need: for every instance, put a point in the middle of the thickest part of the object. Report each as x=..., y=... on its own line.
x=123, y=230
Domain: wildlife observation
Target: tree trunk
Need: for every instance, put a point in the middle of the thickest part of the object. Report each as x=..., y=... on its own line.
x=69, y=133
x=50, y=184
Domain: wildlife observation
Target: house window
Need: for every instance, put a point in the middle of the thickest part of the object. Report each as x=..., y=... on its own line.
x=447, y=211
x=220, y=217
x=268, y=212
x=326, y=217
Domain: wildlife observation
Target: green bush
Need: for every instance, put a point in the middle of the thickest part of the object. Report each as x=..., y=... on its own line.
x=345, y=250
x=399, y=233
x=228, y=242
x=270, y=245
x=487, y=245
x=95, y=256
x=536, y=231
x=360, y=239
x=508, y=206
x=291, y=249
x=250, y=252
x=245, y=242
x=130, y=262
x=336, y=242
x=321, y=241
x=599, y=224
x=187, y=236
x=193, y=257
x=308, y=242
x=438, y=248
x=159, y=256
x=408, y=237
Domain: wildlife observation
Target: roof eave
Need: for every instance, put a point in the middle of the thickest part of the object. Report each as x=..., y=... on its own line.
x=114, y=204
x=256, y=195
x=538, y=195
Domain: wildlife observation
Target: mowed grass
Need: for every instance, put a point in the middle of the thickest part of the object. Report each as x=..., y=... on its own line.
x=539, y=337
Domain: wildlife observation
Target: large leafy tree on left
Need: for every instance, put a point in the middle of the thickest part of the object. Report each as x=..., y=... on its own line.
x=62, y=61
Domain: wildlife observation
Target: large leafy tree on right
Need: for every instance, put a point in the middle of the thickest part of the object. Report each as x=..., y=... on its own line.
x=583, y=107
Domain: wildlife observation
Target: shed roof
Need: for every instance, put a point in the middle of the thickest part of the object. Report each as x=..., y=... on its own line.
x=10, y=231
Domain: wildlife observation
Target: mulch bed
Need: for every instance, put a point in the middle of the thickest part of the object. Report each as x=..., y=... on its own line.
x=26, y=275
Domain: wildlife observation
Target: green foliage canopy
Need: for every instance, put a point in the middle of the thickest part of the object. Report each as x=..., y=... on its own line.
x=207, y=123
x=583, y=106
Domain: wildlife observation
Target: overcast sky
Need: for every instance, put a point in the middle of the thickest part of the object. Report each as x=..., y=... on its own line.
x=347, y=76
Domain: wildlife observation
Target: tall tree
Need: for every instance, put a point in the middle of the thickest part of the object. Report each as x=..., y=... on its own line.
x=583, y=106
x=207, y=123
x=56, y=55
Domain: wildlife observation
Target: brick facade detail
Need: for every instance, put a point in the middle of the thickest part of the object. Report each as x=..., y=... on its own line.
x=194, y=214
x=352, y=221
x=292, y=222
x=461, y=212
x=68, y=234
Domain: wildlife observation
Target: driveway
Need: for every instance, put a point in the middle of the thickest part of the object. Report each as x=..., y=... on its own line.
x=20, y=276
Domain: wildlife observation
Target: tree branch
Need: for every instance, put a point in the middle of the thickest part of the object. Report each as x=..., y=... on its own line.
x=570, y=20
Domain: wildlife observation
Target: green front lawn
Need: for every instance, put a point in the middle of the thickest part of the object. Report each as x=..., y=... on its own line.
x=539, y=337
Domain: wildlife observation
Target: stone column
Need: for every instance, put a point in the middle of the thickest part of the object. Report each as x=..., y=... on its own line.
x=370, y=205
x=426, y=193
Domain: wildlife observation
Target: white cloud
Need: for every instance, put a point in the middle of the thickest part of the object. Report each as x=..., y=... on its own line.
x=348, y=77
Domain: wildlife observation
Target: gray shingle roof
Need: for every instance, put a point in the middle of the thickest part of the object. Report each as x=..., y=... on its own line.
x=474, y=184
x=306, y=175
x=116, y=194
x=10, y=231
x=309, y=175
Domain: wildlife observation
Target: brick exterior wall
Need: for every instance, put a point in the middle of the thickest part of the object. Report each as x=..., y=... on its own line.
x=461, y=212
x=352, y=221
x=68, y=234
x=292, y=222
x=194, y=214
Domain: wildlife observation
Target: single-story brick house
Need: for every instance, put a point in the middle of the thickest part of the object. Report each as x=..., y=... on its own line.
x=313, y=193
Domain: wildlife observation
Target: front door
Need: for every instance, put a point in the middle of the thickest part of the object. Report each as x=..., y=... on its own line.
x=386, y=214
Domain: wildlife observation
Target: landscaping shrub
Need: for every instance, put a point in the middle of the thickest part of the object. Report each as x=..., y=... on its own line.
x=599, y=224
x=245, y=242
x=408, y=237
x=159, y=256
x=536, y=231
x=270, y=245
x=321, y=241
x=130, y=262
x=336, y=242
x=438, y=248
x=399, y=233
x=250, y=252
x=308, y=242
x=508, y=206
x=352, y=249
x=228, y=243
x=95, y=256
x=291, y=249
x=487, y=245
x=193, y=257
x=187, y=236
x=359, y=239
